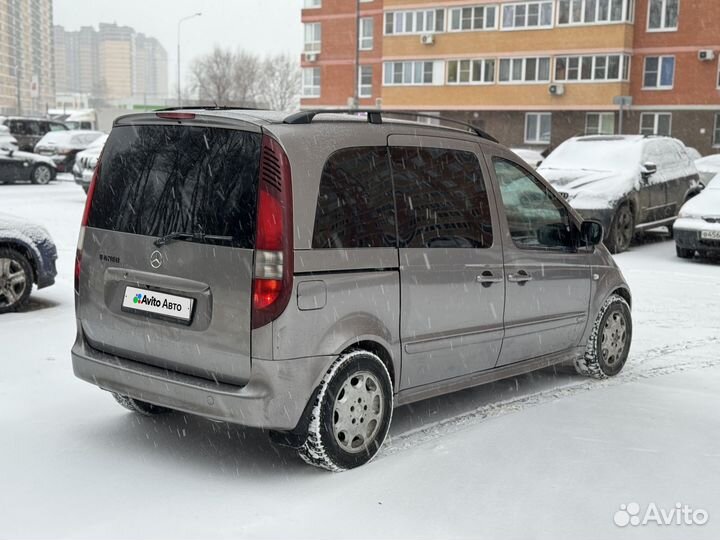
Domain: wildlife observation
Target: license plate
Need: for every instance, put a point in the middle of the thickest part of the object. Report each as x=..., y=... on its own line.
x=158, y=304
x=710, y=235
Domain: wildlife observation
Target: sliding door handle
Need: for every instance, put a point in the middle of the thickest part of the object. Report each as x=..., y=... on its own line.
x=487, y=278
x=521, y=277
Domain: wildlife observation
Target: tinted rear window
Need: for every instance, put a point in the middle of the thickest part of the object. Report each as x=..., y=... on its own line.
x=355, y=206
x=156, y=180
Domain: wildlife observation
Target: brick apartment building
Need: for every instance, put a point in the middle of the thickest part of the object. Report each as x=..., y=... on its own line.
x=532, y=72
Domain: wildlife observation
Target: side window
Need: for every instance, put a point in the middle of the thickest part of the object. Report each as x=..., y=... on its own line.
x=32, y=127
x=441, y=199
x=17, y=127
x=54, y=126
x=44, y=127
x=355, y=206
x=536, y=218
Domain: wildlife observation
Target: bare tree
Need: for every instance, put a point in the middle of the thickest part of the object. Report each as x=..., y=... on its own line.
x=280, y=82
x=241, y=78
x=212, y=75
x=246, y=78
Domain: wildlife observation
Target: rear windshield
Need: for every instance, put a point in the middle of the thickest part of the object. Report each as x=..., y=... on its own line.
x=157, y=180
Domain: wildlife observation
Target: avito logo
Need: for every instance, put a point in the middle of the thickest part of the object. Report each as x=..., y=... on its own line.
x=146, y=300
x=681, y=514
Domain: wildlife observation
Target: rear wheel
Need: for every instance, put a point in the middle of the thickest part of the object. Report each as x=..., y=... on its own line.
x=609, y=344
x=684, y=253
x=621, y=230
x=351, y=414
x=42, y=174
x=140, y=407
x=16, y=279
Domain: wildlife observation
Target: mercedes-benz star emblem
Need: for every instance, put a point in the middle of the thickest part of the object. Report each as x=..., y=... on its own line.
x=156, y=259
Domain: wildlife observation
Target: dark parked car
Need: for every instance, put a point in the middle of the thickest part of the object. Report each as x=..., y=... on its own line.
x=629, y=183
x=28, y=131
x=16, y=166
x=62, y=147
x=27, y=256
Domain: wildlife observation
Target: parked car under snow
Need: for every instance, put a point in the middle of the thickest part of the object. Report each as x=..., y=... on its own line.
x=86, y=161
x=17, y=166
x=62, y=146
x=27, y=256
x=627, y=182
x=708, y=167
x=531, y=157
x=697, y=229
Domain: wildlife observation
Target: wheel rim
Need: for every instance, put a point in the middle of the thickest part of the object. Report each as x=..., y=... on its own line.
x=12, y=282
x=42, y=175
x=358, y=412
x=614, y=338
x=624, y=229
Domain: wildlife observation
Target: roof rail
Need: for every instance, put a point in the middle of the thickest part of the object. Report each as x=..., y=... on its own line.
x=374, y=116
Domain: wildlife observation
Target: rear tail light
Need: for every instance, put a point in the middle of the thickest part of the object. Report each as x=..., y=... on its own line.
x=273, y=271
x=83, y=226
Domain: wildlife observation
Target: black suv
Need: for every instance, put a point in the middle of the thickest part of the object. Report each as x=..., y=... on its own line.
x=28, y=131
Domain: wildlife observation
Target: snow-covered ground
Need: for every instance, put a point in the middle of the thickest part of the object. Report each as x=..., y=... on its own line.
x=540, y=456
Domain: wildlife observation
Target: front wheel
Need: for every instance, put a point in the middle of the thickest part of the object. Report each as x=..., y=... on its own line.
x=621, y=230
x=42, y=174
x=607, y=349
x=684, y=253
x=351, y=414
x=16, y=280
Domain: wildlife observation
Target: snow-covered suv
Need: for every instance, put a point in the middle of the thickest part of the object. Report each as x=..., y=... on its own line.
x=626, y=182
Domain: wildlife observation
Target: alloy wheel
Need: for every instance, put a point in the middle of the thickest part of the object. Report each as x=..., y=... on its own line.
x=12, y=282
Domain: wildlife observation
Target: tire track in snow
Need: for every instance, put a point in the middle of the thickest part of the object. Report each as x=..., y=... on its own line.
x=635, y=370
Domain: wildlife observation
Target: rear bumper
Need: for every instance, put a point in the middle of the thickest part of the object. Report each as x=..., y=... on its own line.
x=274, y=398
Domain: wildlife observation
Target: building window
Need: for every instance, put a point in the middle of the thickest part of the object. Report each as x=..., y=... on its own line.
x=411, y=73
x=656, y=124
x=659, y=72
x=663, y=15
x=595, y=11
x=600, y=124
x=365, y=81
x=366, y=34
x=716, y=131
x=615, y=67
x=472, y=18
x=415, y=22
x=312, y=37
x=537, y=128
x=312, y=4
x=477, y=71
x=311, y=82
x=527, y=15
x=530, y=70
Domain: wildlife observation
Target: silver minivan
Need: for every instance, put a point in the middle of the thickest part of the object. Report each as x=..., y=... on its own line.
x=308, y=273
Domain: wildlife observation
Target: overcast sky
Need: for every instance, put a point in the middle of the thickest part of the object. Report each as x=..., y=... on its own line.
x=261, y=26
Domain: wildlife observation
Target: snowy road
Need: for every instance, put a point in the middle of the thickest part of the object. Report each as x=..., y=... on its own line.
x=540, y=456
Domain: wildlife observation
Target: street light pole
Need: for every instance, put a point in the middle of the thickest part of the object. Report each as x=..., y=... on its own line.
x=179, y=85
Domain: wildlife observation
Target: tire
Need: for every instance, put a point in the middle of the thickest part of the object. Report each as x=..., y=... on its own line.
x=607, y=348
x=622, y=230
x=351, y=414
x=41, y=175
x=16, y=280
x=140, y=407
x=684, y=253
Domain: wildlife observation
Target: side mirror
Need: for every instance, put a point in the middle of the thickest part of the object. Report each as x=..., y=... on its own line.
x=10, y=151
x=648, y=169
x=591, y=233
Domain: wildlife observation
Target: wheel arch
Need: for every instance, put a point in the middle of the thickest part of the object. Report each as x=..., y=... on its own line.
x=25, y=250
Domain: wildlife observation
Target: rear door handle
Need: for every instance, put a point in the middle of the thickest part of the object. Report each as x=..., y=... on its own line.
x=521, y=277
x=487, y=278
